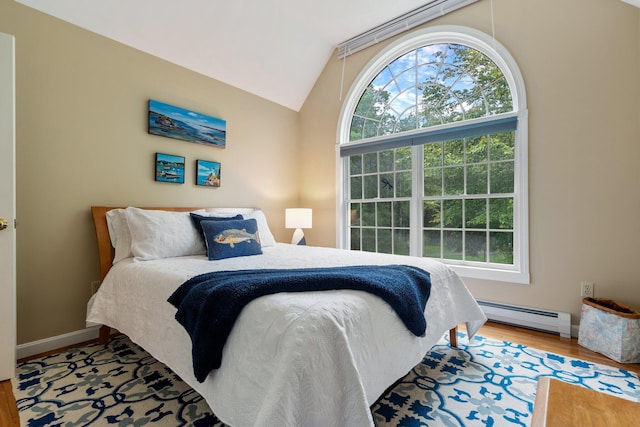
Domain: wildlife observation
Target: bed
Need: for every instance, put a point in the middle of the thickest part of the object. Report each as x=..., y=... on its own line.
x=312, y=358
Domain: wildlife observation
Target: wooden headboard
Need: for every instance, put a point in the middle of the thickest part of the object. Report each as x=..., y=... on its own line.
x=105, y=250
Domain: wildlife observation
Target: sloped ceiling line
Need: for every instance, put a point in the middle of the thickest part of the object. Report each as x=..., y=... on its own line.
x=288, y=41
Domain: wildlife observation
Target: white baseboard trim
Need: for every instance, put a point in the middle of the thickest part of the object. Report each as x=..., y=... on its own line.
x=53, y=343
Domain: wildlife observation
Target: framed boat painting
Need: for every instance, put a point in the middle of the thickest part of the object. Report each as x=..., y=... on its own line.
x=178, y=123
x=169, y=168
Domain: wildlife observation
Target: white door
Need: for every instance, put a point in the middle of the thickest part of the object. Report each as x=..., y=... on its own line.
x=7, y=209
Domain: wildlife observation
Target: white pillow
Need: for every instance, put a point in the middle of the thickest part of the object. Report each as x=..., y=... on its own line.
x=119, y=234
x=159, y=234
x=266, y=237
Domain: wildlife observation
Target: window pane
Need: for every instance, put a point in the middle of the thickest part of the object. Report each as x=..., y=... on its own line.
x=403, y=158
x=386, y=185
x=401, y=242
x=503, y=146
x=403, y=184
x=354, y=214
x=501, y=247
x=475, y=215
x=499, y=98
x=355, y=133
x=401, y=214
x=366, y=103
x=476, y=106
x=370, y=128
x=431, y=213
x=477, y=149
x=477, y=179
x=476, y=246
x=369, y=214
x=452, y=244
x=384, y=214
x=451, y=110
x=431, y=244
x=371, y=186
x=501, y=213
x=355, y=239
x=386, y=161
x=391, y=90
x=369, y=239
x=454, y=152
x=356, y=187
x=407, y=83
x=355, y=165
x=408, y=120
x=501, y=177
x=433, y=182
x=371, y=162
x=433, y=155
x=382, y=79
x=385, y=245
x=452, y=213
x=453, y=180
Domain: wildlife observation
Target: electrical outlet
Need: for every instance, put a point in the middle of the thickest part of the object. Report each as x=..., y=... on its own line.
x=586, y=289
x=94, y=286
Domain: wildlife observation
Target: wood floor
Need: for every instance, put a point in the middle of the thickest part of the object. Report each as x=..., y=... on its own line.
x=539, y=340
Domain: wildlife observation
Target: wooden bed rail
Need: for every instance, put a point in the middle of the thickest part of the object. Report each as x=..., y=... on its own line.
x=453, y=337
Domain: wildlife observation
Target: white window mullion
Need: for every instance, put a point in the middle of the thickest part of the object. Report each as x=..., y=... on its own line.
x=415, y=248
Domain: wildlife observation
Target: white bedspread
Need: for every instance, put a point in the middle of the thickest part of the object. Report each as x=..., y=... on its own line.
x=292, y=359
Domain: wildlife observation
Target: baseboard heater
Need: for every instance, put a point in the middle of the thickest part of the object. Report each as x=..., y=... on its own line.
x=532, y=318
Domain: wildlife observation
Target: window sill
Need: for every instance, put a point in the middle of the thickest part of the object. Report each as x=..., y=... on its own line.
x=511, y=276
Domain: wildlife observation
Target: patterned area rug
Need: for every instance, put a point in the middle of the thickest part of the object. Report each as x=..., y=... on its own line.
x=482, y=383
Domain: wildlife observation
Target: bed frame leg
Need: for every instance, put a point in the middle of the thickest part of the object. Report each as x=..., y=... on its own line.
x=104, y=334
x=453, y=337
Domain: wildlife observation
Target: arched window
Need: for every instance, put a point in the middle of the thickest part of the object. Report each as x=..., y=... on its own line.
x=433, y=155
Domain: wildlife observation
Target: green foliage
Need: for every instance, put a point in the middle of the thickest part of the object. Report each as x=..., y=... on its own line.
x=467, y=212
x=454, y=83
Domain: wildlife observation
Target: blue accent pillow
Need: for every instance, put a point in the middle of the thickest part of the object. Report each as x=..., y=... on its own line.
x=232, y=238
x=197, y=219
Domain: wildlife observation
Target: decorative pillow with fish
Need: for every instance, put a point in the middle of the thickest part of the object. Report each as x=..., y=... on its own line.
x=233, y=238
x=197, y=219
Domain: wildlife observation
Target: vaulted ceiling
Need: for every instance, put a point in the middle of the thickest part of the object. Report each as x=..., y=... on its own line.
x=275, y=49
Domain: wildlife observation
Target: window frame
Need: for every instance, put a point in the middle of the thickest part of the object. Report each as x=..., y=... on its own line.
x=519, y=271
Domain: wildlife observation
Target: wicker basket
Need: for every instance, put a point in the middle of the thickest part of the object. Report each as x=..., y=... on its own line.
x=610, y=328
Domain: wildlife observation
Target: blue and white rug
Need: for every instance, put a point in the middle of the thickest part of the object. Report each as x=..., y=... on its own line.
x=482, y=383
x=488, y=383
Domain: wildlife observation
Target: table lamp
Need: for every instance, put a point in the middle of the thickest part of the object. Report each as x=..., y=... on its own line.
x=298, y=218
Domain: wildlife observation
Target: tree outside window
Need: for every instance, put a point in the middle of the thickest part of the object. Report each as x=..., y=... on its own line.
x=432, y=159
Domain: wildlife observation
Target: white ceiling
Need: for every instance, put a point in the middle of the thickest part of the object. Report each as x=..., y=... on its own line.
x=275, y=49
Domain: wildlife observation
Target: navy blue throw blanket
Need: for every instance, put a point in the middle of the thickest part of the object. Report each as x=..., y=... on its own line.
x=209, y=304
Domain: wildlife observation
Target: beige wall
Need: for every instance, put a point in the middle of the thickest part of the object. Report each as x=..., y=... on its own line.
x=82, y=141
x=580, y=61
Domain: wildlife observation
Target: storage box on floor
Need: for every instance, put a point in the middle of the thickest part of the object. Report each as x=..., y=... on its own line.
x=610, y=328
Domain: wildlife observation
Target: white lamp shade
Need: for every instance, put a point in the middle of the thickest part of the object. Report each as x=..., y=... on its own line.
x=298, y=218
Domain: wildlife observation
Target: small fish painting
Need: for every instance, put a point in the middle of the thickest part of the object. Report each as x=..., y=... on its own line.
x=233, y=235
